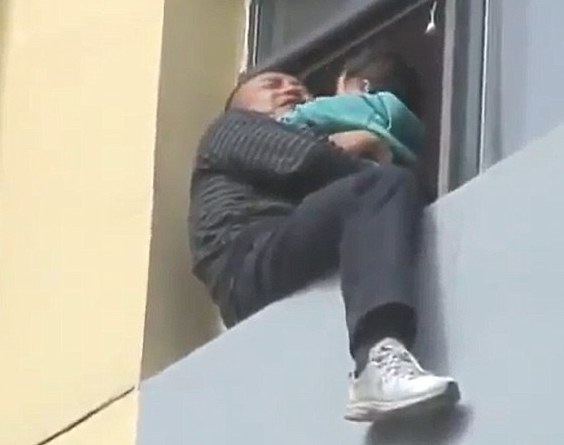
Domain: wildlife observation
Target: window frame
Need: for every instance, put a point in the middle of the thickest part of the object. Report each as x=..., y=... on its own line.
x=464, y=87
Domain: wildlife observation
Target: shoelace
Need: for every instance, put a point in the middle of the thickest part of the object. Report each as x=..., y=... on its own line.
x=396, y=362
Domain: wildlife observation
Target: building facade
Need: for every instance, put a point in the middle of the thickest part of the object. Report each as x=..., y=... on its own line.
x=101, y=107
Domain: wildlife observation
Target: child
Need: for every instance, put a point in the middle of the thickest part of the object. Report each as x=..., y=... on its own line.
x=376, y=92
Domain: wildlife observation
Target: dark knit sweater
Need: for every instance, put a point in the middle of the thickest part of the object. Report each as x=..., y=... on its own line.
x=250, y=168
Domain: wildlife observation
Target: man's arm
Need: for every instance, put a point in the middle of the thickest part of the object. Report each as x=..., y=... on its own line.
x=258, y=149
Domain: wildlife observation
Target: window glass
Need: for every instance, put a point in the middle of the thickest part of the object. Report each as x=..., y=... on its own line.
x=524, y=75
x=283, y=22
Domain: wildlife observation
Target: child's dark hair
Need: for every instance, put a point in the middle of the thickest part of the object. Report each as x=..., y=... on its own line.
x=386, y=70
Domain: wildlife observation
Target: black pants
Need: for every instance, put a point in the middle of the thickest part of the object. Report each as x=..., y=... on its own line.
x=365, y=226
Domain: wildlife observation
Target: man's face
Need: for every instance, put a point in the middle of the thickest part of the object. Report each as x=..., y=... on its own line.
x=270, y=93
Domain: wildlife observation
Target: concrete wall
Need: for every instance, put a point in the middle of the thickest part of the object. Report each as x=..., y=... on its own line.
x=79, y=87
x=490, y=314
x=202, y=47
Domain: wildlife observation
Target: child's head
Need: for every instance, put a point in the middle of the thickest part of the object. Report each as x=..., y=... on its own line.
x=373, y=70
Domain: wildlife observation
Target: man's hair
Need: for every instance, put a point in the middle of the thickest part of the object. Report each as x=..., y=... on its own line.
x=386, y=70
x=242, y=79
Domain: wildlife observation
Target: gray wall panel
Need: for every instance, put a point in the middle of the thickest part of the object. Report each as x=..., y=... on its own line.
x=525, y=70
x=492, y=314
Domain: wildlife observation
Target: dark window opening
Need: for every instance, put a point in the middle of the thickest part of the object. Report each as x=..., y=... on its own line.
x=338, y=27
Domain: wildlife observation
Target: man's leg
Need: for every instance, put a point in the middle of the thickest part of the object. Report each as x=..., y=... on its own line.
x=378, y=250
x=366, y=223
x=296, y=250
x=308, y=244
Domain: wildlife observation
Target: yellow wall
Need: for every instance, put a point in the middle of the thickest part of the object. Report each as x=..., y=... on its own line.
x=115, y=425
x=78, y=103
x=200, y=59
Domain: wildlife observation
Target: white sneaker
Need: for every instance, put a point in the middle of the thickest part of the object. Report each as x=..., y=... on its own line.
x=393, y=380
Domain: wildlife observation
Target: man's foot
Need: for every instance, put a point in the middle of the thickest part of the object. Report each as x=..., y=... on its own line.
x=392, y=381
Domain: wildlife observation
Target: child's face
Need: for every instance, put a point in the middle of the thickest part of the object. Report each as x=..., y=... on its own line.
x=350, y=85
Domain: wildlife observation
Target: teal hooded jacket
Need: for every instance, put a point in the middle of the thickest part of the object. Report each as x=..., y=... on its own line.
x=382, y=113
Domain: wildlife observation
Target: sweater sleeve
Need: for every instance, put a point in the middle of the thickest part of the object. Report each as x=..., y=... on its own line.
x=259, y=149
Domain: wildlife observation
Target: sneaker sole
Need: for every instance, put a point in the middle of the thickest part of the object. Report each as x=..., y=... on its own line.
x=372, y=411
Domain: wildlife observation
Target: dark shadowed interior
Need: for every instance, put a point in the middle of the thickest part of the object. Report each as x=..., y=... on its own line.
x=317, y=59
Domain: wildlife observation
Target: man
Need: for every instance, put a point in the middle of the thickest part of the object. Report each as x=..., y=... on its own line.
x=275, y=208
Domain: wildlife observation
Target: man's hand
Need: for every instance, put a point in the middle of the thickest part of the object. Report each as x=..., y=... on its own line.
x=364, y=144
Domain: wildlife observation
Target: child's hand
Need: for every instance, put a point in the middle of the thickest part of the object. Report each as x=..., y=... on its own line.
x=364, y=144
